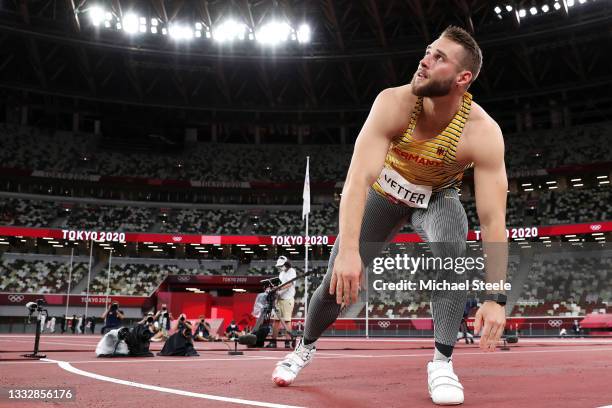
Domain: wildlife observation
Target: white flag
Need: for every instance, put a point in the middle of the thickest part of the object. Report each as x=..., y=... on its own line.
x=306, y=195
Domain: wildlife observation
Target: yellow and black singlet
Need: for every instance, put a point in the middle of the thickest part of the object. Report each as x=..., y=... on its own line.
x=432, y=162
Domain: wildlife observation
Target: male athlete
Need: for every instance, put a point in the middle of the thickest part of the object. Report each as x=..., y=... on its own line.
x=407, y=165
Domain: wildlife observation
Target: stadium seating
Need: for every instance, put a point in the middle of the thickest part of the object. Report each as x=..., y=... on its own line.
x=198, y=221
x=23, y=273
x=27, y=212
x=29, y=148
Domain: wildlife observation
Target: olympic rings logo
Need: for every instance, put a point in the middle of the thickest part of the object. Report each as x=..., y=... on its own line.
x=555, y=323
x=184, y=278
x=383, y=324
x=595, y=227
x=15, y=298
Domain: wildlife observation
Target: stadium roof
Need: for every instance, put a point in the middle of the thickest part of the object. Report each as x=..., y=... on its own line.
x=53, y=52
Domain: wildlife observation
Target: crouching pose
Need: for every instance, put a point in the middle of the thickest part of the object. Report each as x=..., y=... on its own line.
x=124, y=341
x=180, y=343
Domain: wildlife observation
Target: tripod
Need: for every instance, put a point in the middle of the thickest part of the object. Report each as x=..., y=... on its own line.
x=263, y=321
x=40, y=311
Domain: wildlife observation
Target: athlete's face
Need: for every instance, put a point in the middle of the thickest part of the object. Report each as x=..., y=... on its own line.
x=439, y=69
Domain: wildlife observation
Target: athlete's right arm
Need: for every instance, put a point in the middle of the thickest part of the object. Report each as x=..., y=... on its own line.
x=367, y=162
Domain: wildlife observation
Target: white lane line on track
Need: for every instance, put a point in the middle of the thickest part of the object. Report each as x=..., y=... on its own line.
x=66, y=366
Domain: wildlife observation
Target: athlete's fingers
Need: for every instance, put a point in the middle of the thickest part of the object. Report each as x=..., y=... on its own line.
x=332, y=285
x=347, y=290
x=484, y=337
x=499, y=330
x=354, y=290
x=477, y=322
x=492, y=342
x=339, y=290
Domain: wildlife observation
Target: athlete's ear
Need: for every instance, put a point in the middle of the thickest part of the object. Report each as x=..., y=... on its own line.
x=464, y=78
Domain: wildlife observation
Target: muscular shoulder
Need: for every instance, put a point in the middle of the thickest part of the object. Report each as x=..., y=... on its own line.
x=393, y=107
x=484, y=136
x=399, y=98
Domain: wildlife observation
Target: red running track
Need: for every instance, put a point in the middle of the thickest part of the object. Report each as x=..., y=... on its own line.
x=345, y=373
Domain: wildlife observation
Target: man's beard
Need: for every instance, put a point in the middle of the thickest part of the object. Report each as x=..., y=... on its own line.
x=433, y=88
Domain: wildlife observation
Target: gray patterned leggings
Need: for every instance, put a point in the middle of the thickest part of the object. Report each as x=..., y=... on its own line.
x=443, y=225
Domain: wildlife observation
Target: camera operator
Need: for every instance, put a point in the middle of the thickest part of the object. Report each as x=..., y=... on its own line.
x=284, y=300
x=181, y=342
x=132, y=342
x=203, y=331
x=112, y=317
x=232, y=331
x=163, y=317
x=182, y=322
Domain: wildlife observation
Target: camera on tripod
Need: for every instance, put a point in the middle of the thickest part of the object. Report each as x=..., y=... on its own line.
x=35, y=306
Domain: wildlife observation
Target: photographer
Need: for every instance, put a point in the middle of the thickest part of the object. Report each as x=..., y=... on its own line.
x=232, y=331
x=203, y=331
x=284, y=301
x=132, y=342
x=163, y=317
x=112, y=317
x=181, y=342
x=182, y=322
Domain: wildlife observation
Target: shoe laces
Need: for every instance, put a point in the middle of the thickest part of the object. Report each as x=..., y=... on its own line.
x=304, y=352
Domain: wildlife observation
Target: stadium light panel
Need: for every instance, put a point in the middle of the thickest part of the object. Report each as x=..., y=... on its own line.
x=143, y=28
x=130, y=23
x=153, y=30
x=533, y=11
x=570, y=3
x=179, y=32
x=303, y=34
x=96, y=14
x=164, y=31
x=107, y=24
x=522, y=13
x=198, y=26
x=508, y=8
x=497, y=10
x=198, y=34
x=228, y=31
x=545, y=8
x=108, y=16
x=273, y=33
x=557, y=6
x=581, y=1
x=154, y=22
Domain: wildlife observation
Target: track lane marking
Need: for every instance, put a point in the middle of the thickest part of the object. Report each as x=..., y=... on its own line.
x=68, y=367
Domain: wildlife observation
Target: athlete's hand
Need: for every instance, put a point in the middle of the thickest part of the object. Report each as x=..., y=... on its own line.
x=492, y=316
x=346, y=277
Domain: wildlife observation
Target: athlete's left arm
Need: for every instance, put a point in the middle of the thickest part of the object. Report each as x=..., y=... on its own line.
x=491, y=185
